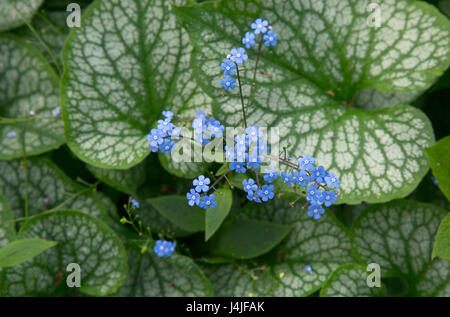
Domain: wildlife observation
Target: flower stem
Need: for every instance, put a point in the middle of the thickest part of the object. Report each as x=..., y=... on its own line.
x=242, y=97
x=252, y=87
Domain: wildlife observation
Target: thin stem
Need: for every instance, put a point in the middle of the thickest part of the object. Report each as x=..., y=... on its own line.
x=224, y=175
x=252, y=87
x=242, y=97
x=35, y=33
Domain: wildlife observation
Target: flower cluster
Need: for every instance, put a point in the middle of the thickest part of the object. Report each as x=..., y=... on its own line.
x=198, y=195
x=164, y=248
x=238, y=55
x=163, y=137
x=206, y=128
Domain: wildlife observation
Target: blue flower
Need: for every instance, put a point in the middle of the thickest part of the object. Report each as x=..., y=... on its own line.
x=332, y=181
x=253, y=161
x=11, y=134
x=270, y=38
x=228, y=67
x=201, y=184
x=165, y=126
x=308, y=269
x=170, y=248
x=319, y=173
x=166, y=146
x=238, y=55
x=266, y=192
x=228, y=82
x=160, y=248
x=241, y=141
x=239, y=167
x=168, y=114
x=249, y=186
x=56, y=112
x=287, y=177
x=208, y=201
x=135, y=203
x=200, y=115
x=155, y=137
x=260, y=26
x=306, y=162
x=329, y=198
x=270, y=175
x=311, y=192
x=216, y=129
x=198, y=125
x=193, y=197
x=175, y=133
x=303, y=178
x=254, y=197
x=229, y=153
x=253, y=133
x=249, y=40
x=315, y=211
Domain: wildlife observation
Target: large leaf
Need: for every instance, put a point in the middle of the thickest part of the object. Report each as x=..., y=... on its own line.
x=7, y=230
x=326, y=54
x=349, y=280
x=153, y=276
x=27, y=84
x=439, y=155
x=81, y=239
x=14, y=13
x=127, y=62
x=215, y=216
x=323, y=244
x=176, y=209
x=248, y=238
x=181, y=169
x=48, y=188
x=399, y=236
x=19, y=251
x=442, y=244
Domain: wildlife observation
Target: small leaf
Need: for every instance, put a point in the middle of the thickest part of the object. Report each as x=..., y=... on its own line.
x=222, y=169
x=19, y=251
x=14, y=13
x=349, y=280
x=83, y=240
x=438, y=155
x=176, y=209
x=112, y=95
x=176, y=275
x=245, y=238
x=7, y=230
x=442, y=244
x=399, y=237
x=28, y=95
x=48, y=188
x=215, y=216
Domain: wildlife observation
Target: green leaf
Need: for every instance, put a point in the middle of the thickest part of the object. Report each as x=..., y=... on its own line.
x=27, y=84
x=442, y=244
x=127, y=181
x=349, y=280
x=112, y=91
x=215, y=216
x=246, y=238
x=176, y=209
x=19, y=251
x=323, y=244
x=181, y=169
x=48, y=188
x=399, y=237
x=14, y=13
x=438, y=155
x=222, y=169
x=7, y=230
x=81, y=239
x=324, y=48
x=176, y=275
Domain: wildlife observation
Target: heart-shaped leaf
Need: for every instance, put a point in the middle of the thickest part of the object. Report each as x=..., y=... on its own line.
x=48, y=188
x=399, y=236
x=14, y=13
x=306, y=85
x=150, y=275
x=303, y=261
x=7, y=230
x=442, y=244
x=438, y=155
x=215, y=216
x=82, y=240
x=113, y=90
x=349, y=280
x=19, y=251
x=29, y=101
